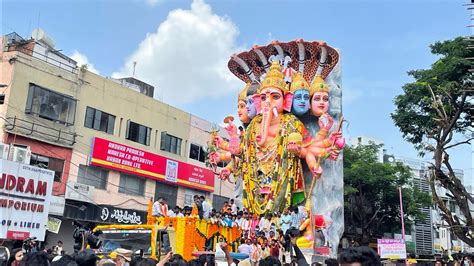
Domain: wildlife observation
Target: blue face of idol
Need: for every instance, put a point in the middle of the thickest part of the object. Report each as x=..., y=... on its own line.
x=251, y=110
x=300, y=102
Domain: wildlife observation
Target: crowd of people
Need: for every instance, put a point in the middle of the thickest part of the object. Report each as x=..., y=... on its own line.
x=269, y=239
x=262, y=235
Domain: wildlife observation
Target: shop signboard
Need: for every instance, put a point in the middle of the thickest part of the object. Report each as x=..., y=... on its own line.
x=131, y=160
x=54, y=224
x=25, y=195
x=56, y=206
x=103, y=214
x=391, y=248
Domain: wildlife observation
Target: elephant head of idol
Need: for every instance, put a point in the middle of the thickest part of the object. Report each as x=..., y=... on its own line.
x=271, y=100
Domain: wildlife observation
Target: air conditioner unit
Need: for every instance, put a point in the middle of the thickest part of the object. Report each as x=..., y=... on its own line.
x=4, y=149
x=21, y=155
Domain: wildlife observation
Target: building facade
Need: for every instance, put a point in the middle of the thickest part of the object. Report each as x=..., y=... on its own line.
x=112, y=148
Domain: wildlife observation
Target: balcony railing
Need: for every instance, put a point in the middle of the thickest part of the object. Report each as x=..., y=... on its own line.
x=36, y=130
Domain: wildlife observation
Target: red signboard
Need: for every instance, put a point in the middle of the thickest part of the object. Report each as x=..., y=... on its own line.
x=131, y=160
x=16, y=235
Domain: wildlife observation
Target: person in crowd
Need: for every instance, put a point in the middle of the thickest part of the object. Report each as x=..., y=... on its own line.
x=245, y=226
x=270, y=261
x=16, y=256
x=275, y=248
x=296, y=218
x=245, y=247
x=285, y=220
x=233, y=207
x=227, y=221
x=363, y=256
x=178, y=211
x=123, y=258
x=58, y=249
x=265, y=248
x=254, y=222
x=239, y=219
x=34, y=258
x=206, y=207
x=225, y=207
x=276, y=220
x=256, y=253
x=187, y=211
x=467, y=260
x=197, y=207
x=160, y=208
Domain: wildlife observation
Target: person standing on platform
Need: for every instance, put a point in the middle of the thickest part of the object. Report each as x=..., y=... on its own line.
x=160, y=208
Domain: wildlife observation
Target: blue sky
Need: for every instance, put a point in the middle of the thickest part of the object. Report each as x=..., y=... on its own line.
x=379, y=42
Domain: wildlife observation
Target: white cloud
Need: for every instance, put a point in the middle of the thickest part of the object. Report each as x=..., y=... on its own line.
x=186, y=58
x=83, y=60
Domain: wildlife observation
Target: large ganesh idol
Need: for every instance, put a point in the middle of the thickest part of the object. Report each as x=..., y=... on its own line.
x=290, y=153
x=272, y=170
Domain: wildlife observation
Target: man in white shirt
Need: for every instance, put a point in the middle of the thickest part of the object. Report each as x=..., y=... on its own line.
x=239, y=220
x=160, y=208
x=206, y=208
x=233, y=207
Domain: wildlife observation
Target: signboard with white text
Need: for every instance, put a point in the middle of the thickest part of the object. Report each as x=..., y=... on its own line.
x=128, y=159
x=25, y=194
x=391, y=248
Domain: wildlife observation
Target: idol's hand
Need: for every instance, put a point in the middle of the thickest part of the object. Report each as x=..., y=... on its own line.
x=224, y=174
x=293, y=147
x=325, y=121
x=214, y=157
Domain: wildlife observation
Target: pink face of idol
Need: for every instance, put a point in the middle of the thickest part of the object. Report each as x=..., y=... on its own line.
x=272, y=98
x=319, y=103
x=242, y=112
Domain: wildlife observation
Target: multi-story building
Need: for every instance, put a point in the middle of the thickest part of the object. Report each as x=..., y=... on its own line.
x=366, y=140
x=112, y=148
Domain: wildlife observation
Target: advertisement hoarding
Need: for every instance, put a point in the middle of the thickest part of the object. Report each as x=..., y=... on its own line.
x=25, y=194
x=391, y=248
x=131, y=160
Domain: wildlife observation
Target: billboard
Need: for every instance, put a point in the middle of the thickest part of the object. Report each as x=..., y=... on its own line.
x=25, y=195
x=391, y=248
x=131, y=160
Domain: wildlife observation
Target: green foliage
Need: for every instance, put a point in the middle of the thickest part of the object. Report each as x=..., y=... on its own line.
x=371, y=192
x=415, y=114
x=433, y=114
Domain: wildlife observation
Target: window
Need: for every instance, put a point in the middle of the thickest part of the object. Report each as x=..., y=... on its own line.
x=2, y=98
x=218, y=201
x=169, y=192
x=132, y=185
x=196, y=152
x=189, y=196
x=54, y=164
x=170, y=143
x=138, y=133
x=50, y=105
x=93, y=176
x=99, y=120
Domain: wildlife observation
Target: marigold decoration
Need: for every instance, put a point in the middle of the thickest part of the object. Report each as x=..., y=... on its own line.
x=194, y=211
x=149, y=217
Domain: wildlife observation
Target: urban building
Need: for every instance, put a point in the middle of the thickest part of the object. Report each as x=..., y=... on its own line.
x=112, y=146
x=366, y=140
x=432, y=234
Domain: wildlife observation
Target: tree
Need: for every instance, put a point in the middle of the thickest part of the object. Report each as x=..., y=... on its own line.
x=433, y=114
x=371, y=196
